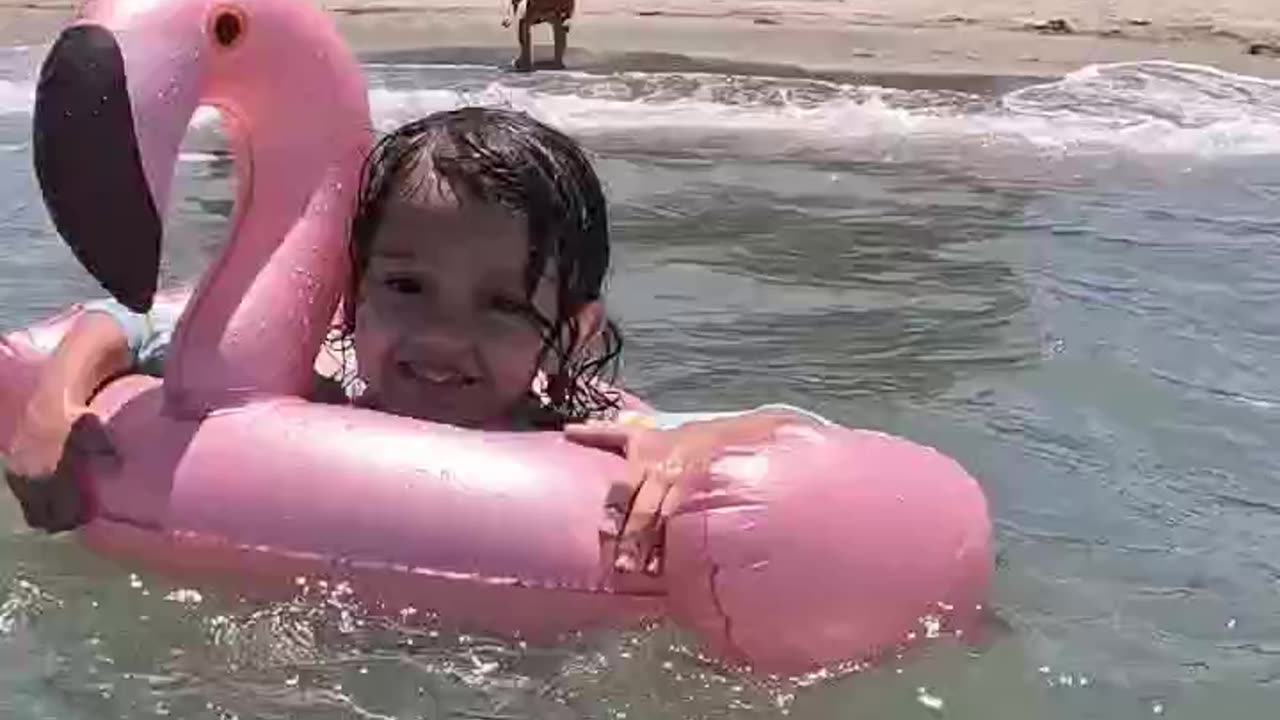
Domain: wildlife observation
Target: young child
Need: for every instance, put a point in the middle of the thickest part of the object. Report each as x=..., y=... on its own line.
x=479, y=251
x=556, y=12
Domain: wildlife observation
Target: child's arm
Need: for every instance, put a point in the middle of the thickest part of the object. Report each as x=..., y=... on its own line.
x=106, y=341
x=96, y=349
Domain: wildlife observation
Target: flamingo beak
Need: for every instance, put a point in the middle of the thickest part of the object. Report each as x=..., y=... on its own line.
x=90, y=167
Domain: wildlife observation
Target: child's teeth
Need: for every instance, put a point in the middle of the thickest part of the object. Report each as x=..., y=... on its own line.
x=433, y=375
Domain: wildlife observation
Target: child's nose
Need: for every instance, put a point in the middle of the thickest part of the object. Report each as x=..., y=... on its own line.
x=442, y=332
x=441, y=335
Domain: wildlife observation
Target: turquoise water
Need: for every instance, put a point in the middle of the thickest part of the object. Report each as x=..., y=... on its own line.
x=1069, y=287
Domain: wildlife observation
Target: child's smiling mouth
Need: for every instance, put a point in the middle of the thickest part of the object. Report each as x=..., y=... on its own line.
x=437, y=375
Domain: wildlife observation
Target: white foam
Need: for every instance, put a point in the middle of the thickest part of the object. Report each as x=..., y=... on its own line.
x=16, y=97
x=1154, y=108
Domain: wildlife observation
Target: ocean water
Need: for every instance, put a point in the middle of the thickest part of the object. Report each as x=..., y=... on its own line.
x=1070, y=287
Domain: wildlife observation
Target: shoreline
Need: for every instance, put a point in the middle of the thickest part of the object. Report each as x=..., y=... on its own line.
x=992, y=47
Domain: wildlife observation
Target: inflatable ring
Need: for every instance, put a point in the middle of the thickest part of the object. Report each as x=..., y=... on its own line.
x=820, y=546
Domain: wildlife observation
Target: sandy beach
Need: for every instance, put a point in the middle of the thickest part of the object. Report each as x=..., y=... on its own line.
x=1034, y=38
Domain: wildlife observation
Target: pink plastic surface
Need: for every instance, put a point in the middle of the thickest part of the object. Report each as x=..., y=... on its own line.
x=823, y=546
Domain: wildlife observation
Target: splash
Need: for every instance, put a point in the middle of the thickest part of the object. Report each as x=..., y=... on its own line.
x=23, y=601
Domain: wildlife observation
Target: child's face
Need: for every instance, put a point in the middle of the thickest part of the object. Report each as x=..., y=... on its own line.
x=444, y=329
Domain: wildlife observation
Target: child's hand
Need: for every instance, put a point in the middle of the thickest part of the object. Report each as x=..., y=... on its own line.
x=50, y=438
x=40, y=436
x=56, y=429
x=663, y=466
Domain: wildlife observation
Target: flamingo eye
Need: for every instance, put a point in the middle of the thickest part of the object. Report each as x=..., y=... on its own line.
x=228, y=27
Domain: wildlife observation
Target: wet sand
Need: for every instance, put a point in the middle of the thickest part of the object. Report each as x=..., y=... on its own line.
x=897, y=40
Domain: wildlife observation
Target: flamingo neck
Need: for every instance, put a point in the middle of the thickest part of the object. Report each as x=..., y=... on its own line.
x=256, y=321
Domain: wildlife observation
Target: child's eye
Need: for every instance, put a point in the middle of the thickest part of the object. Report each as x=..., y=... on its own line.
x=404, y=285
x=511, y=306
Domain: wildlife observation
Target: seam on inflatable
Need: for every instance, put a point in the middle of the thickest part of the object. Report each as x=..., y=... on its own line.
x=339, y=564
x=713, y=587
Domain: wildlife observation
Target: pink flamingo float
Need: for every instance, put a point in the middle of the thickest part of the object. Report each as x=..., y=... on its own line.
x=819, y=547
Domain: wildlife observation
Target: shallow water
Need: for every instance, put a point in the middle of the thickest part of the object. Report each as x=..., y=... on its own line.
x=1069, y=288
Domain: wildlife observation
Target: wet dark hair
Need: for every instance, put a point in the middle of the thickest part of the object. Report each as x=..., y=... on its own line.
x=492, y=155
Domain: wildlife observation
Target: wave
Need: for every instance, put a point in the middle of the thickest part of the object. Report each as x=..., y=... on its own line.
x=1149, y=108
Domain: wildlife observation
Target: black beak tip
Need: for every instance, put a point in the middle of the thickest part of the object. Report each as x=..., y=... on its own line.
x=137, y=299
x=89, y=165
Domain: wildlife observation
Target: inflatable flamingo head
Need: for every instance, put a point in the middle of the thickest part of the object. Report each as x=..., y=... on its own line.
x=120, y=86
